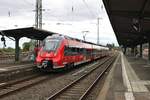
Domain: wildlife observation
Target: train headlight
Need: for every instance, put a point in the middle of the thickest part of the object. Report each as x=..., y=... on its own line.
x=40, y=53
x=55, y=53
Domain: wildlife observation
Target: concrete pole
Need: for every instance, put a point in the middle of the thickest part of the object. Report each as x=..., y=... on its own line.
x=17, y=49
x=37, y=14
x=98, y=30
x=40, y=14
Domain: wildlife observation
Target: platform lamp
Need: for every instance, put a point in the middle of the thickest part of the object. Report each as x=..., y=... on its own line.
x=84, y=34
x=4, y=41
x=136, y=23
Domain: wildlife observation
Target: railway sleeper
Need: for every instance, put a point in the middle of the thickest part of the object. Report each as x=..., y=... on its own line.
x=68, y=97
x=74, y=90
x=72, y=94
x=77, y=88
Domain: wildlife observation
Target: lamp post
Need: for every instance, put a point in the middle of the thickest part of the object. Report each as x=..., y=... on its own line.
x=99, y=18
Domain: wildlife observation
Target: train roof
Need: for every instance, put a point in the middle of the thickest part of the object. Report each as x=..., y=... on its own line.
x=85, y=41
x=68, y=37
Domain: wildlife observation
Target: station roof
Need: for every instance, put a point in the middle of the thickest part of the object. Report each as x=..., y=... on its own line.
x=29, y=32
x=130, y=20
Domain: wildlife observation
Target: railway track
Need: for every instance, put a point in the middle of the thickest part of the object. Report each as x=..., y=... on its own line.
x=16, y=86
x=79, y=89
x=5, y=85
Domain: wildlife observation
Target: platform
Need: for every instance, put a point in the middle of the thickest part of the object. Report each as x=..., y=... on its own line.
x=13, y=71
x=129, y=79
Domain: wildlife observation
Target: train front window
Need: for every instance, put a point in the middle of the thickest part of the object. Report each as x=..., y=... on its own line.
x=51, y=45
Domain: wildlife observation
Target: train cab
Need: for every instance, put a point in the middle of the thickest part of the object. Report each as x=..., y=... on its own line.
x=50, y=55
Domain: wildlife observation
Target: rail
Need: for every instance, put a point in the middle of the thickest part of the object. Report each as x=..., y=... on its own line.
x=59, y=94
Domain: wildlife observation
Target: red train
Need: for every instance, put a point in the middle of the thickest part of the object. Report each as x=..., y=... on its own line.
x=63, y=52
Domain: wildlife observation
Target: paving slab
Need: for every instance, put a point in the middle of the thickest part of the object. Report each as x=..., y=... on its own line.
x=130, y=80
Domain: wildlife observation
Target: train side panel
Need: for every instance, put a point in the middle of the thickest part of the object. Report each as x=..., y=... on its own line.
x=69, y=52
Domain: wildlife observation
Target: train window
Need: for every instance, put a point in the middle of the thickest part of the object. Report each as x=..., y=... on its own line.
x=88, y=52
x=70, y=51
x=67, y=51
x=51, y=44
x=78, y=50
x=82, y=51
x=74, y=51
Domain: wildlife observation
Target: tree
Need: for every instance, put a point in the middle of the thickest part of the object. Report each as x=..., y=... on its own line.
x=110, y=46
x=8, y=50
x=26, y=46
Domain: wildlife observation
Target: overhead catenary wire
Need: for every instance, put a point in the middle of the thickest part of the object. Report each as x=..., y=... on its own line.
x=28, y=2
x=91, y=12
x=25, y=3
x=101, y=6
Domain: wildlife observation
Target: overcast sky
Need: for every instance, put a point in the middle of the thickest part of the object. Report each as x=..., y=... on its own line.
x=69, y=17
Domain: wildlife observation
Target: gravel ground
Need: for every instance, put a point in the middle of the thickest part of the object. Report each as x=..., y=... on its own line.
x=76, y=91
x=95, y=91
x=47, y=88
